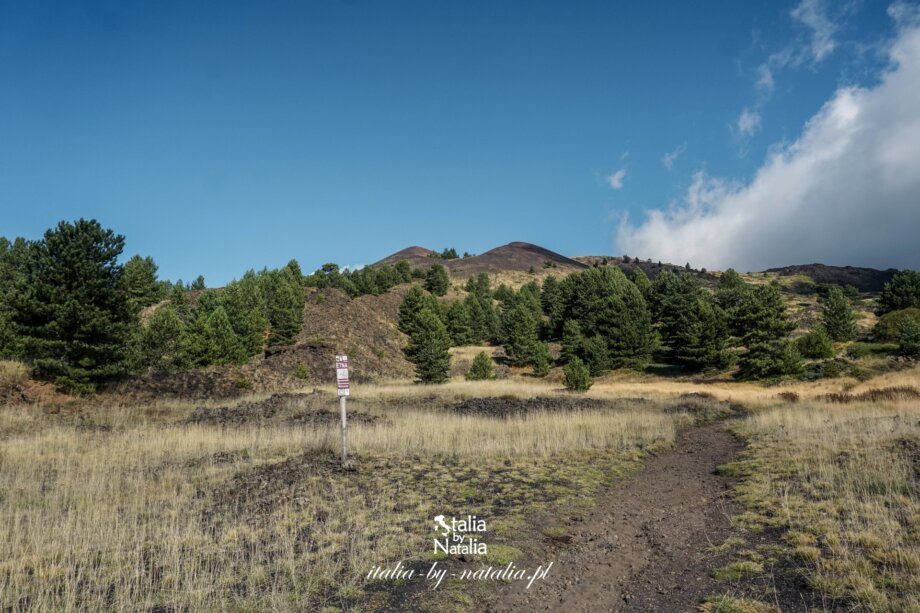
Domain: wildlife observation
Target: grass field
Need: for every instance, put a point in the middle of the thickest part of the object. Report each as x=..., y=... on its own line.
x=127, y=508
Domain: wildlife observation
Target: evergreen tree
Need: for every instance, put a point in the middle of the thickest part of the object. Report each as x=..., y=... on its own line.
x=816, y=345
x=478, y=330
x=672, y=299
x=428, y=348
x=731, y=293
x=404, y=271
x=769, y=359
x=223, y=344
x=766, y=324
x=415, y=300
x=519, y=331
x=436, y=280
x=552, y=305
x=198, y=283
x=573, y=342
x=482, y=368
x=139, y=278
x=576, y=376
x=640, y=280
x=159, y=342
x=597, y=355
x=902, y=292
x=479, y=286
x=909, y=337
x=72, y=312
x=540, y=359
x=285, y=299
x=604, y=302
x=837, y=315
x=701, y=339
x=294, y=267
x=459, y=324
x=245, y=305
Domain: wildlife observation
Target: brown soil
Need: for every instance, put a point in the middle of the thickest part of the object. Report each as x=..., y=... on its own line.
x=516, y=256
x=643, y=548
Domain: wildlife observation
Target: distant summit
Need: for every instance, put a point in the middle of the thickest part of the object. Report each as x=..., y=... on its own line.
x=517, y=256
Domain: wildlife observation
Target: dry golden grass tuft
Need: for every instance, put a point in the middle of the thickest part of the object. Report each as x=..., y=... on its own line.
x=12, y=374
x=844, y=481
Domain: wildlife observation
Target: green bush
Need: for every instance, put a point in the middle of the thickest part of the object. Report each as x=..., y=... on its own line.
x=482, y=368
x=576, y=376
x=816, y=345
x=909, y=338
x=887, y=327
x=540, y=359
x=767, y=360
x=902, y=292
x=301, y=371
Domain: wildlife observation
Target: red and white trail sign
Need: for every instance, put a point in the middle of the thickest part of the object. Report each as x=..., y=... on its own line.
x=341, y=375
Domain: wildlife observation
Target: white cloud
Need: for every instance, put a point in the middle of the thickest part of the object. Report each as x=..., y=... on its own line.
x=812, y=14
x=847, y=191
x=669, y=158
x=748, y=123
x=615, y=181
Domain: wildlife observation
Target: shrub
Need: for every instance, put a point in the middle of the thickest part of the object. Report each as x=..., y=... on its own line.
x=243, y=383
x=301, y=371
x=816, y=345
x=576, y=376
x=886, y=330
x=482, y=368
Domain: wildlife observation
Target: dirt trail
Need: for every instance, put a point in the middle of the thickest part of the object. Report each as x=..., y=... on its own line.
x=643, y=548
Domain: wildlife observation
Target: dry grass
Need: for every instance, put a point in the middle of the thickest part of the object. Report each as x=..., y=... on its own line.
x=844, y=481
x=12, y=374
x=122, y=509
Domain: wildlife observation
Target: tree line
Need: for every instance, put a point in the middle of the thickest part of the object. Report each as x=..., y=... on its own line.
x=79, y=317
x=603, y=320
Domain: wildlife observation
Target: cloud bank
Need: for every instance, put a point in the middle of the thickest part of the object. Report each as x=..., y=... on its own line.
x=846, y=192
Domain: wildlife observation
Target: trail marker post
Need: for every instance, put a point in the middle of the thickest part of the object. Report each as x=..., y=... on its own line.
x=343, y=389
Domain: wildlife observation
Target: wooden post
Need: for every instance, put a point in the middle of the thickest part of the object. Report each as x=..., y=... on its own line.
x=344, y=431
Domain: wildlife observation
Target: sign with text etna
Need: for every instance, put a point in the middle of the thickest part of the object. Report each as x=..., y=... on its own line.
x=341, y=384
x=341, y=375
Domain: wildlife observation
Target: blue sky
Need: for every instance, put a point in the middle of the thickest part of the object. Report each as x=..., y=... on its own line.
x=219, y=137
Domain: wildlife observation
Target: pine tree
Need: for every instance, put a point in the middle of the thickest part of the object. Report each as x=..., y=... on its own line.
x=766, y=322
x=482, y=368
x=245, y=306
x=604, y=302
x=770, y=359
x=540, y=359
x=139, y=278
x=576, y=376
x=223, y=344
x=285, y=298
x=909, y=337
x=519, y=331
x=436, y=280
x=701, y=340
x=902, y=292
x=817, y=344
x=672, y=299
x=573, y=342
x=404, y=271
x=158, y=344
x=428, y=348
x=837, y=315
x=553, y=306
x=198, y=283
x=459, y=324
x=72, y=312
x=415, y=300
x=597, y=355
x=640, y=280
